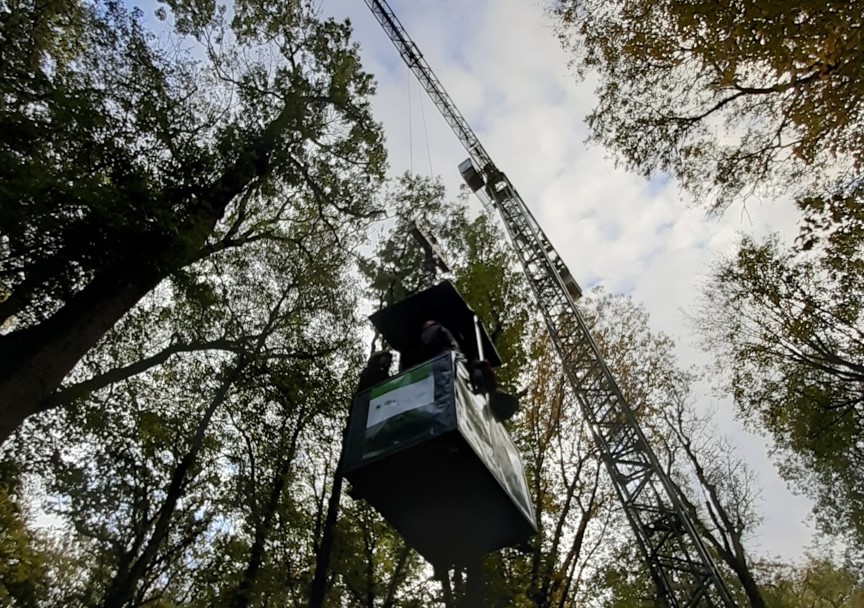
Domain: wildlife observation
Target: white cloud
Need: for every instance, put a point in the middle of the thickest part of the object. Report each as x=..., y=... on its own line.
x=503, y=67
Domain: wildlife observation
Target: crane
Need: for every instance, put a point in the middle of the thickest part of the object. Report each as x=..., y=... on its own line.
x=684, y=572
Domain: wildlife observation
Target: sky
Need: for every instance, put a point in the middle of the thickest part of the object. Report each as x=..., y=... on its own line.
x=503, y=66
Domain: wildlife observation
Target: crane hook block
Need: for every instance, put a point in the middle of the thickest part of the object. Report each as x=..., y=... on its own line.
x=471, y=175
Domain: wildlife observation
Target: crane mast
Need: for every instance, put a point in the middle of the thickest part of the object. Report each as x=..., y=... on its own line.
x=684, y=572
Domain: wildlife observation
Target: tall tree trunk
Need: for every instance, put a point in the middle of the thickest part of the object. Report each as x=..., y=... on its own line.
x=395, y=579
x=243, y=594
x=132, y=568
x=34, y=360
x=322, y=558
x=728, y=545
x=751, y=589
x=475, y=596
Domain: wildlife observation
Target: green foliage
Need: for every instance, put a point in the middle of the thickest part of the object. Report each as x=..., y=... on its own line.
x=623, y=582
x=483, y=268
x=571, y=500
x=786, y=334
x=492, y=284
x=743, y=98
x=76, y=176
x=816, y=584
x=22, y=563
x=729, y=98
x=113, y=147
x=188, y=458
x=373, y=563
x=717, y=487
x=643, y=361
x=173, y=466
x=128, y=159
x=396, y=268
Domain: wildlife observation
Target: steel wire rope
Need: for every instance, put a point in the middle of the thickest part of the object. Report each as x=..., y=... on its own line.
x=426, y=134
x=410, y=130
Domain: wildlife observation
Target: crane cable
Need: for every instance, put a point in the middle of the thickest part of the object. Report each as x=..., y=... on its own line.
x=426, y=134
x=411, y=130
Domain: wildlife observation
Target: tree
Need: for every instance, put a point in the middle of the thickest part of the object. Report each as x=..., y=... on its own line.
x=22, y=564
x=193, y=457
x=489, y=278
x=116, y=146
x=145, y=465
x=617, y=584
x=728, y=98
x=375, y=568
x=786, y=333
x=573, y=503
x=719, y=488
x=757, y=97
x=273, y=442
x=818, y=583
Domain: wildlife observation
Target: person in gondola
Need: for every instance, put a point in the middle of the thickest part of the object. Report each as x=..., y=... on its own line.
x=377, y=370
x=436, y=339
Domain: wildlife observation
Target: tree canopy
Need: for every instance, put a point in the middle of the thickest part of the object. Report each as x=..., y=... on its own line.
x=730, y=98
x=128, y=158
x=787, y=333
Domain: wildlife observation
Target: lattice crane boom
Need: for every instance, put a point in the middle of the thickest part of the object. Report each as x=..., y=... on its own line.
x=682, y=568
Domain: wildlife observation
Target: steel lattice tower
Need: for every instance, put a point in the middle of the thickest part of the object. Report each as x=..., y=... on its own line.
x=683, y=570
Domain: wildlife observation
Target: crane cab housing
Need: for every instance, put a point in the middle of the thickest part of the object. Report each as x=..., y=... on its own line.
x=424, y=447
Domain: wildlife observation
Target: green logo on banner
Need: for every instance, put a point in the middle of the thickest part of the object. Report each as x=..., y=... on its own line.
x=415, y=375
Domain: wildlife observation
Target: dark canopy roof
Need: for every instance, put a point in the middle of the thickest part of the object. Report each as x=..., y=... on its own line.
x=401, y=323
